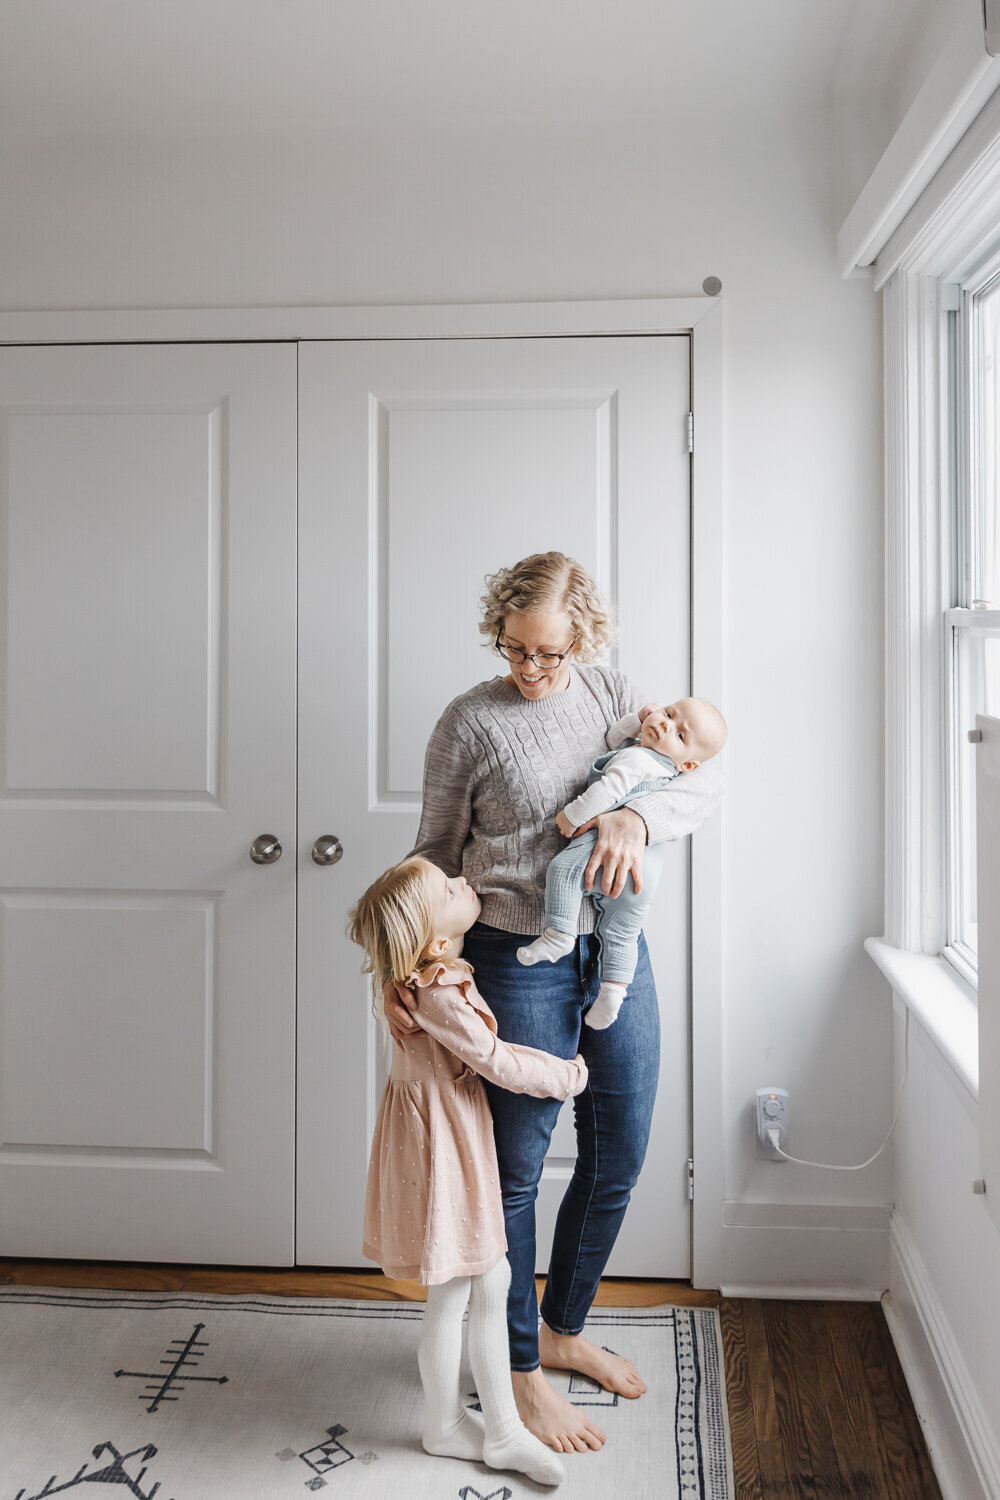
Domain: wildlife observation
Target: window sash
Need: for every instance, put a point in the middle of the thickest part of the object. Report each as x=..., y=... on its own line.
x=972, y=685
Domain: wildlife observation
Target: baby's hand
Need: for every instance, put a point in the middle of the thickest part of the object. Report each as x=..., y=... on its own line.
x=564, y=825
x=647, y=709
x=584, y=1076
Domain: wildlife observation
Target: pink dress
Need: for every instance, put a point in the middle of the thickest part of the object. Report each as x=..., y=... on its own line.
x=433, y=1209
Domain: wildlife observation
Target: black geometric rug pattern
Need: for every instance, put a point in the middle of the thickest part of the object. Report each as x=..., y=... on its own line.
x=329, y=1389
x=162, y=1386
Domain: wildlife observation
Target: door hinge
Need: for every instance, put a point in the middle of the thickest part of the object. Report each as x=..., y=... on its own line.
x=690, y=1167
x=690, y=431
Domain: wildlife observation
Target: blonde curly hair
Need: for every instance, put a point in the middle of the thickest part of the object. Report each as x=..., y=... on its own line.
x=549, y=583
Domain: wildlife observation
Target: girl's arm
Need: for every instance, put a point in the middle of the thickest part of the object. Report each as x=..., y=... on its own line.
x=445, y=1014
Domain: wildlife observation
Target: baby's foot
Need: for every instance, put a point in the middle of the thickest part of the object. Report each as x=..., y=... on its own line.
x=522, y=1451
x=548, y=948
x=462, y=1439
x=607, y=1005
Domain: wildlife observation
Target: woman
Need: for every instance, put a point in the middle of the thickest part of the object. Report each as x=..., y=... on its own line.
x=502, y=760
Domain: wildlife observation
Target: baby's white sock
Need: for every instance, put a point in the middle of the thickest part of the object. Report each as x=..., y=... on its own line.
x=552, y=945
x=448, y=1429
x=508, y=1444
x=607, y=1005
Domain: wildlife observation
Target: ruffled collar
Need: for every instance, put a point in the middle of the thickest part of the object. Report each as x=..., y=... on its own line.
x=441, y=973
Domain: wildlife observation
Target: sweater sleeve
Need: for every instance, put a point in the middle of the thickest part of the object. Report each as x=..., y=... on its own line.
x=446, y=816
x=446, y=1014
x=684, y=805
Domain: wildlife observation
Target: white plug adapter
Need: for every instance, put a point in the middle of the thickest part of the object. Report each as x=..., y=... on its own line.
x=772, y=1114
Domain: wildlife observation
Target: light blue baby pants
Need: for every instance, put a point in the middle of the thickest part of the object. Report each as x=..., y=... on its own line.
x=619, y=918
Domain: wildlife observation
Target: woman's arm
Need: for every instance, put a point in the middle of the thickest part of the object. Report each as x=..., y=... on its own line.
x=445, y=820
x=690, y=798
x=684, y=805
x=446, y=816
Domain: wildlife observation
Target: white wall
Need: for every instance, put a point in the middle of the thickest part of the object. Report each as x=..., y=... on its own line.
x=638, y=208
x=944, y=1302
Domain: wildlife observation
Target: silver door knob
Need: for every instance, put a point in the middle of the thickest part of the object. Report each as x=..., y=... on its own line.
x=327, y=849
x=265, y=849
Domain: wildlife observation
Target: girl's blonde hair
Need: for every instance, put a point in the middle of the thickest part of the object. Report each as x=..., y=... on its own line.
x=394, y=923
x=547, y=583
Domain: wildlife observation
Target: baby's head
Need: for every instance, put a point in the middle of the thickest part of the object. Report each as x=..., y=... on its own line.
x=690, y=731
x=411, y=916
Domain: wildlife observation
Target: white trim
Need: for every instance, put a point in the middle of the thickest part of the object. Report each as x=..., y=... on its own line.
x=701, y=317
x=947, y=228
x=963, y=1448
x=915, y=597
x=707, y=885
x=440, y=321
x=825, y=1251
x=942, y=1002
x=959, y=84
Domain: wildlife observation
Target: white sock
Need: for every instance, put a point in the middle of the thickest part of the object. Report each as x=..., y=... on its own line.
x=508, y=1444
x=552, y=945
x=449, y=1430
x=607, y=1005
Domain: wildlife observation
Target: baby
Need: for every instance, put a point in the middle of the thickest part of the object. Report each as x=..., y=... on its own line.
x=659, y=744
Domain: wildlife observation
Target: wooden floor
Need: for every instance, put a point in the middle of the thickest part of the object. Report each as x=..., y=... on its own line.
x=818, y=1407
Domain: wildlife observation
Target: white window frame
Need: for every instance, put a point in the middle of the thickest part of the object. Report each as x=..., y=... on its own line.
x=936, y=250
x=965, y=614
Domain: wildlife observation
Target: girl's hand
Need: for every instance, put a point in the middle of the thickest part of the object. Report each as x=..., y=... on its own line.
x=647, y=709
x=564, y=825
x=584, y=1078
x=399, y=1004
x=621, y=838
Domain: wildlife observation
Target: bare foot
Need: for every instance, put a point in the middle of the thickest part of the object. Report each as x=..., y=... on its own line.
x=571, y=1351
x=551, y=1417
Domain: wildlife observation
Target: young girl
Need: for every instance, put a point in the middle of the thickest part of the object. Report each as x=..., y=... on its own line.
x=433, y=1211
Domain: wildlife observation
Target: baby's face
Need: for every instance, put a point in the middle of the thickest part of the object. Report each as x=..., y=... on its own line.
x=688, y=731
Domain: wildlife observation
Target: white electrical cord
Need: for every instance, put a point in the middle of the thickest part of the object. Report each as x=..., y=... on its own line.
x=772, y=1135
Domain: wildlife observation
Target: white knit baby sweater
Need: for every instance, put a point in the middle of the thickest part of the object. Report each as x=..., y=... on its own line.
x=500, y=766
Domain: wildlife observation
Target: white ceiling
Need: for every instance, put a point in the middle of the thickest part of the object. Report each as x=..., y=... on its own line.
x=249, y=66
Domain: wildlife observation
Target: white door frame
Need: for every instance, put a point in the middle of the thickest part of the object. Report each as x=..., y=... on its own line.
x=701, y=317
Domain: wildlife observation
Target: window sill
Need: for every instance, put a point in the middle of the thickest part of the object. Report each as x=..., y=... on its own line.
x=942, y=1002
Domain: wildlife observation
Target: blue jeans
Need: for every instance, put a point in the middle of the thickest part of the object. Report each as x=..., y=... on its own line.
x=544, y=1007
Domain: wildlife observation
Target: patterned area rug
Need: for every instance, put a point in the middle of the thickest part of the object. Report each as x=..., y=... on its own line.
x=190, y=1397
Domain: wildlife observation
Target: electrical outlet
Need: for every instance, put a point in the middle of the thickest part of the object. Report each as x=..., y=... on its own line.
x=771, y=1113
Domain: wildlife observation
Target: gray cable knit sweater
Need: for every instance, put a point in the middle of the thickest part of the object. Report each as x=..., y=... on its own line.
x=500, y=766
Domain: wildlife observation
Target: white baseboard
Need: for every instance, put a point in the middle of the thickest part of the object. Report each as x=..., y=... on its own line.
x=826, y=1252
x=963, y=1448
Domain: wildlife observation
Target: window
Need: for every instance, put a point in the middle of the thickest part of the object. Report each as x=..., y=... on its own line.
x=972, y=622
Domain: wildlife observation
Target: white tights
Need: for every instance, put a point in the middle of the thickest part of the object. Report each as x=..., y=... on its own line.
x=498, y=1438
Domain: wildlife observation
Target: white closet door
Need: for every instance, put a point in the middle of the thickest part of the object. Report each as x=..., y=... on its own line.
x=424, y=466
x=147, y=532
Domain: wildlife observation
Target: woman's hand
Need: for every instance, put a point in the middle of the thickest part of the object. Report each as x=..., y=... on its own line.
x=399, y=1004
x=621, y=838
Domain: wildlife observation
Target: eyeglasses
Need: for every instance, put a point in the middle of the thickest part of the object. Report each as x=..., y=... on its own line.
x=545, y=661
